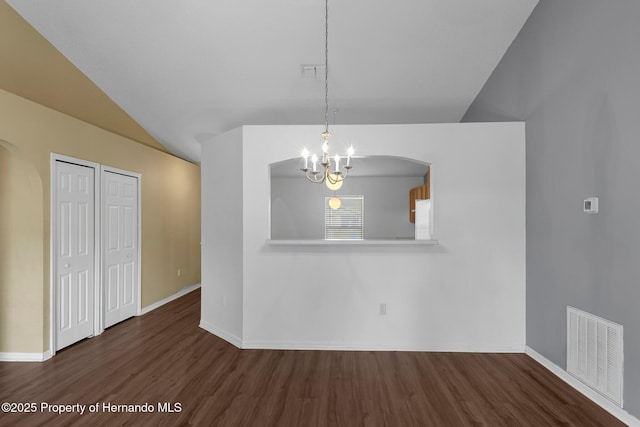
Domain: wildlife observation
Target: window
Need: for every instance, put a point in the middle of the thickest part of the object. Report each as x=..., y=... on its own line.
x=345, y=222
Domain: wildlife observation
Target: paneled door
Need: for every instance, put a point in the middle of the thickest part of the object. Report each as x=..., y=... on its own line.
x=74, y=254
x=120, y=246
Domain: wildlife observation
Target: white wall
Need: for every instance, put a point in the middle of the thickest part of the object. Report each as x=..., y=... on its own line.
x=222, y=237
x=297, y=207
x=467, y=293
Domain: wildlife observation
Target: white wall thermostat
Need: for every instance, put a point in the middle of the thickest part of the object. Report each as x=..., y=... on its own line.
x=590, y=205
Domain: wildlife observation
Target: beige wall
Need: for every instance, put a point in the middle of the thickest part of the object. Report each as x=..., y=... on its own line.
x=21, y=252
x=170, y=213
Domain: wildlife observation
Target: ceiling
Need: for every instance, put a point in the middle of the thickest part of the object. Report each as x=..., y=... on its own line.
x=187, y=71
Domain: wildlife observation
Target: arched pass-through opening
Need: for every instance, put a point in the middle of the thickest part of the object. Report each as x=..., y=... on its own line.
x=297, y=207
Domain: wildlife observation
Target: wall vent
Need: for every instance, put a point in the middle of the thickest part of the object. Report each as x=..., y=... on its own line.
x=594, y=353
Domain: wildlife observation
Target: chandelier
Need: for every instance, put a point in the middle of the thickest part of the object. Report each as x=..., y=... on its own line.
x=322, y=169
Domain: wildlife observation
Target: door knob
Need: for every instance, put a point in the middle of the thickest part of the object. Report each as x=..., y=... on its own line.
x=67, y=265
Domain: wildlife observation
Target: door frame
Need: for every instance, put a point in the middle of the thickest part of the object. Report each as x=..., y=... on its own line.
x=98, y=170
x=53, y=243
x=103, y=170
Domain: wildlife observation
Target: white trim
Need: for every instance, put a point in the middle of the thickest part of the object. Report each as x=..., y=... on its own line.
x=52, y=242
x=593, y=395
x=180, y=293
x=342, y=346
x=25, y=357
x=229, y=337
x=103, y=169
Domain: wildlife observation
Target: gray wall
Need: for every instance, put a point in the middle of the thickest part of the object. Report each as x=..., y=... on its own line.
x=297, y=206
x=573, y=74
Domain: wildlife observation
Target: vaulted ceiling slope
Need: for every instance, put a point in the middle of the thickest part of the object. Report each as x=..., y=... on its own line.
x=32, y=68
x=187, y=71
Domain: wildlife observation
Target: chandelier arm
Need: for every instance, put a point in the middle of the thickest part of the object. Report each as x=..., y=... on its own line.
x=346, y=172
x=338, y=177
x=313, y=177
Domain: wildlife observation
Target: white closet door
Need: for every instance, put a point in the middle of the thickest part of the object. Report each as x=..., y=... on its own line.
x=75, y=261
x=120, y=247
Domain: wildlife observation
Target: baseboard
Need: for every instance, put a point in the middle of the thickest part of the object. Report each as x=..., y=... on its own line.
x=593, y=395
x=341, y=346
x=25, y=357
x=229, y=337
x=182, y=292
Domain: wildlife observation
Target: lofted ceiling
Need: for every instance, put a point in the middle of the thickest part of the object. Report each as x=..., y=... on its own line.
x=187, y=71
x=32, y=68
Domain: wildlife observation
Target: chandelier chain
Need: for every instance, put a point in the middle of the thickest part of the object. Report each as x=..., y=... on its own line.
x=326, y=66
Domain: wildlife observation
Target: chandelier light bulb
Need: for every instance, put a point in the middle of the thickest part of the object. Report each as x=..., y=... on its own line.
x=334, y=182
x=335, y=203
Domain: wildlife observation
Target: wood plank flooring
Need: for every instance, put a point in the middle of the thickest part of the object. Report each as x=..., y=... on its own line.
x=164, y=357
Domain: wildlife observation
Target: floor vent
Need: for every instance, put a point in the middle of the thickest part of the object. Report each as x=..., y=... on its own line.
x=594, y=353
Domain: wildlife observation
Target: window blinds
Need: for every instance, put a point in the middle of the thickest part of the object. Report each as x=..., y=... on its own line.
x=346, y=222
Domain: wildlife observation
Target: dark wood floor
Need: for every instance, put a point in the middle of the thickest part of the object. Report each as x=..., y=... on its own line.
x=163, y=357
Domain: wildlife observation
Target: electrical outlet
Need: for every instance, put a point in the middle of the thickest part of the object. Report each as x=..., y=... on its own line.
x=179, y=272
x=383, y=309
x=590, y=205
